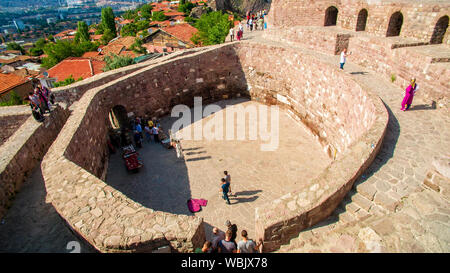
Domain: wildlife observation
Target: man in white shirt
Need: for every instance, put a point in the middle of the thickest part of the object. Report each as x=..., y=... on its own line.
x=232, y=34
x=344, y=57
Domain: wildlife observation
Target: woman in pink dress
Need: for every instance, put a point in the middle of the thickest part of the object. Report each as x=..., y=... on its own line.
x=409, y=95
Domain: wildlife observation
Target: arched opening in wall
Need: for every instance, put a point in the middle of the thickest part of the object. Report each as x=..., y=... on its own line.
x=331, y=16
x=362, y=20
x=118, y=117
x=395, y=24
x=439, y=30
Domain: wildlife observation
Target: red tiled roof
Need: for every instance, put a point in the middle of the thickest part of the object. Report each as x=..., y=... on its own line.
x=126, y=41
x=96, y=37
x=183, y=32
x=90, y=54
x=157, y=49
x=124, y=22
x=77, y=67
x=129, y=53
x=64, y=33
x=161, y=23
x=178, y=18
x=9, y=81
x=15, y=59
x=113, y=49
x=174, y=13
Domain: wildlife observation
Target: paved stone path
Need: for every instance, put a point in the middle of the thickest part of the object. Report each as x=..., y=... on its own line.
x=33, y=226
x=166, y=183
x=389, y=208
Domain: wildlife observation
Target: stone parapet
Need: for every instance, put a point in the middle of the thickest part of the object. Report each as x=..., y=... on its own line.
x=344, y=117
x=23, y=150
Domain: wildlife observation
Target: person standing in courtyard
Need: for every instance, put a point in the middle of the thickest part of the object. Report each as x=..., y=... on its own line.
x=225, y=191
x=155, y=134
x=231, y=34
x=343, y=58
x=409, y=95
x=228, y=180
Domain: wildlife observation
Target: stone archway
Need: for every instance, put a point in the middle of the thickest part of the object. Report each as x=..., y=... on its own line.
x=362, y=20
x=118, y=117
x=331, y=14
x=395, y=24
x=439, y=30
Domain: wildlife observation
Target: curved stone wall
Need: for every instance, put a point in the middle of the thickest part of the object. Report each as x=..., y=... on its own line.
x=100, y=214
x=23, y=150
x=339, y=112
x=349, y=123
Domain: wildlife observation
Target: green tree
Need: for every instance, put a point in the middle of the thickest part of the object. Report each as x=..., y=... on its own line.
x=130, y=15
x=15, y=46
x=137, y=47
x=107, y=36
x=114, y=61
x=63, y=49
x=99, y=29
x=51, y=38
x=129, y=30
x=143, y=24
x=159, y=16
x=82, y=34
x=14, y=99
x=34, y=51
x=108, y=20
x=146, y=11
x=212, y=28
x=67, y=81
x=40, y=43
x=186, y=7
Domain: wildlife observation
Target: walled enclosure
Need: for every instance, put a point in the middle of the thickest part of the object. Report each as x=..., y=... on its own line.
x=111, y=222
x=408, y=55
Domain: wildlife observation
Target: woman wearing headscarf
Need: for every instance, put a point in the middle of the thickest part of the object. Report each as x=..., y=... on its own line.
x=409, y=95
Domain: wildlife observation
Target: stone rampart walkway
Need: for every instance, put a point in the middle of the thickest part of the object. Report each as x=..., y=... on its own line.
x=389, y=208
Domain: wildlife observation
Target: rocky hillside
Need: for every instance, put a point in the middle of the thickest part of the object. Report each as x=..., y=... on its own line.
x=240, y=6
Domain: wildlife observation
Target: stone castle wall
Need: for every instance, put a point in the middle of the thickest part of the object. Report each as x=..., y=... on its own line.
x=71, y=169
x=339, y=112
x=419, y=17
x=70, y=94
x=23, y=151
x=334, y=108
x=111, y=222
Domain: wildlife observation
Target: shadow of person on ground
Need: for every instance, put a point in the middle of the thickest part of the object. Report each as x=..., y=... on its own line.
x=423, y=107
x=247, y=192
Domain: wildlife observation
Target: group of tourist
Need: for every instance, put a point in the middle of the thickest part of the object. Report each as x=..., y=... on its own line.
x=225, y=242
x=256, y=20
x=41, y=101
x=148, y=127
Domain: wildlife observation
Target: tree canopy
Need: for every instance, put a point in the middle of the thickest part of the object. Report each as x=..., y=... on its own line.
x=108, y=20
x=63, y=49
x=186, y=7
x=15, y=46
x=212, y=28
x=114, y=61
x=129, y=30
x=159, y=16
x=146, y=11
x=82, y=34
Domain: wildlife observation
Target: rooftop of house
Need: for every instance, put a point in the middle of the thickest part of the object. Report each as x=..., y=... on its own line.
x=183, y=32
x=126, y=41
x=77, y=67
x=9, y=81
